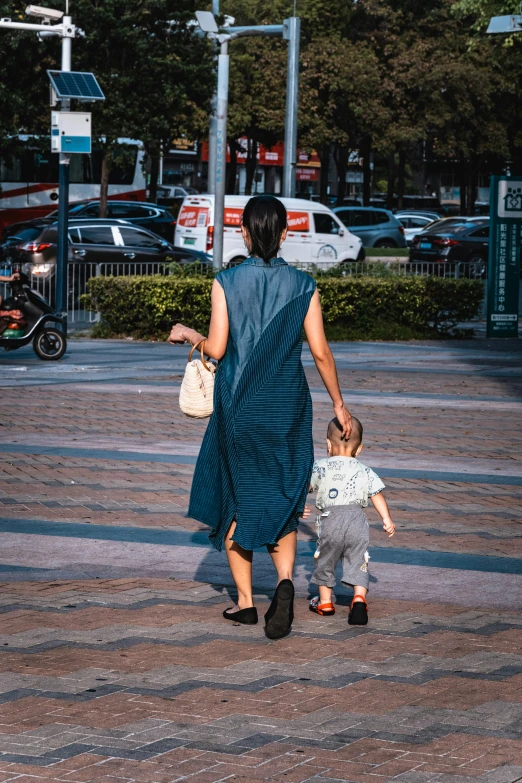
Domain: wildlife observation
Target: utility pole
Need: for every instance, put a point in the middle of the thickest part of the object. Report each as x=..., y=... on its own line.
x=221, y=154
x=67, y=31
x=212, y=135
x=62, y=255
x=292, y=32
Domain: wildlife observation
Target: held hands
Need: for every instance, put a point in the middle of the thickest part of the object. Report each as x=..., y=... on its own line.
x=344, y=418
x=389, y=526
x=177, y=334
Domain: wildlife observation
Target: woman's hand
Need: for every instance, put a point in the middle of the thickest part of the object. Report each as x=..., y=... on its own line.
x=344, y=418
x=306, y=512
x=177, y=334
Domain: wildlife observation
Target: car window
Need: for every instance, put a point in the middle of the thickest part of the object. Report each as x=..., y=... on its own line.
x=325, y=224
x=129, y=211
x=454, y=228
x=360, y=218
x=25, y=233
x=74, y=235
x=482, y=232
x=380, y=217
x=344, y=216
x=137, y=238
x=418, y=222
x=93, y=210
x=96, y=235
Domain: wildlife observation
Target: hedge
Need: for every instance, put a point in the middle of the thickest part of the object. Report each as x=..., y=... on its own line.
x=354, y=308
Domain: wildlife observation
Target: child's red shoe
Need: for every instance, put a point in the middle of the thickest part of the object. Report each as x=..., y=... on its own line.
x=326, y=610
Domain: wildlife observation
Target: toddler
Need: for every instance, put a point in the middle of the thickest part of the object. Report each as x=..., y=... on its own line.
x=343, y=486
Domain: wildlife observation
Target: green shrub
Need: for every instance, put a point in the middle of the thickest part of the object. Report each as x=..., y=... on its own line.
x=354, y=307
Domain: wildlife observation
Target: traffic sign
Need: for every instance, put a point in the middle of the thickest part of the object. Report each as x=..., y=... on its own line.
x=504, y=256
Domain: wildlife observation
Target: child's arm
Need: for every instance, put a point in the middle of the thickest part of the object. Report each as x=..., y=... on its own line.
x=380, y=505
x=9, y=278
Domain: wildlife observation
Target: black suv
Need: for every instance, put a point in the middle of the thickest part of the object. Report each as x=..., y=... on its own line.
x=140, y=213
x=94, y=241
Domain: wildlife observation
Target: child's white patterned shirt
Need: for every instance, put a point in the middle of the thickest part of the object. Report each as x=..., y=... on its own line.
x=343, y=481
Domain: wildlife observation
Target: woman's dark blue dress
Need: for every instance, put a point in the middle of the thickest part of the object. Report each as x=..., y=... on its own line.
x=257, y=454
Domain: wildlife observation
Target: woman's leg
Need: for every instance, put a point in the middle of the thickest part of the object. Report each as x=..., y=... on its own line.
x=283, y=556
x=240, y=564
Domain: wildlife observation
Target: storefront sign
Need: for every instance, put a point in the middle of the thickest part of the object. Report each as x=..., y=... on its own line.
x=188, y=146
x=504, y=256
x=307, y=174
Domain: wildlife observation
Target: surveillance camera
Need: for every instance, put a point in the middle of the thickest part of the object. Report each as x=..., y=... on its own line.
x=49, y=14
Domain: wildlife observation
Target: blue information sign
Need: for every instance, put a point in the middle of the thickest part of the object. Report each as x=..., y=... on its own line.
x=504, y=256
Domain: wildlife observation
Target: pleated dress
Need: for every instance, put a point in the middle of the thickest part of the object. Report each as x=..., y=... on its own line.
x=256, y=458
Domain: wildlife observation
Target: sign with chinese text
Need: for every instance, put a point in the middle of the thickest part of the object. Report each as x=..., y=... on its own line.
x=504, y=256
x=233, y=216
x=193, y=217
x=298, y=221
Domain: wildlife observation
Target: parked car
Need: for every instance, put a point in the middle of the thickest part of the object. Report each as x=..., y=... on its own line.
x=452, y=241
x=451, y=221
x=140, y=213
x=174, y=191
x=426, y=213
x=413, y=224
x=92, y=241
x=375, y=227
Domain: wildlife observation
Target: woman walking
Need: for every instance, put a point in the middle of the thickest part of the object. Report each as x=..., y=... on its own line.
x=253, y=471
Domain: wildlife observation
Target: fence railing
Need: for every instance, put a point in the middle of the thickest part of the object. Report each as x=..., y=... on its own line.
x=80, y=273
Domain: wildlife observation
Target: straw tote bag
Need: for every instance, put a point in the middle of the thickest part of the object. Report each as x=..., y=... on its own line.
x=196, y=396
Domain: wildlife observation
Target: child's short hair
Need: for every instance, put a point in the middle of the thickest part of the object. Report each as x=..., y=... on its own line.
x=335, y=430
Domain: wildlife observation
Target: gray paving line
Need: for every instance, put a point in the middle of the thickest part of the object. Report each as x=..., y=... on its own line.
x=187, y=459
x=161, y=537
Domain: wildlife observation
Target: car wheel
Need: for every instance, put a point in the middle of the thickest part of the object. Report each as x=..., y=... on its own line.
x=477, y=267
x=235, y=261
x=386, y=243
x=50, y=345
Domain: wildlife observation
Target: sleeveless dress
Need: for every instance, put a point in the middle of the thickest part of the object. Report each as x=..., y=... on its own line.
x=256, y=458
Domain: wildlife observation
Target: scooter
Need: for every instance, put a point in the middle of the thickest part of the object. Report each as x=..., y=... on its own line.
x=48, y=342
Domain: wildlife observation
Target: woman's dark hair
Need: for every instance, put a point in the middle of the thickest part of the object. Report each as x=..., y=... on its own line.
x=265, y=220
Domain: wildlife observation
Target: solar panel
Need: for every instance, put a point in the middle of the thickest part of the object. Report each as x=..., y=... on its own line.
x=75, y=84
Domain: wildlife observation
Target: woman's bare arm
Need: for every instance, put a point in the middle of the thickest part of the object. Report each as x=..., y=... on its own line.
x=216, y=342
x=324, y=361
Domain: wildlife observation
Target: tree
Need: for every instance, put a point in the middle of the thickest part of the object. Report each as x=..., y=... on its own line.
x=155, y=72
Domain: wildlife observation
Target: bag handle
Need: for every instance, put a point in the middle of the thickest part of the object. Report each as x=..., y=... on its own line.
x=199, y=345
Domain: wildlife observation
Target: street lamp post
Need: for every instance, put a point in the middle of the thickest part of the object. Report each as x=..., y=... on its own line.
x=67, y=31
x=62, y=280
x=292, y=32
x=289, y=30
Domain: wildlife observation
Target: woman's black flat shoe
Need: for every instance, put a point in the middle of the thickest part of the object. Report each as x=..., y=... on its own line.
x=243, y=616
x=280, y=615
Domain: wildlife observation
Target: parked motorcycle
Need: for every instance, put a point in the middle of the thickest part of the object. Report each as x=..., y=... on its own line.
x=26, y=317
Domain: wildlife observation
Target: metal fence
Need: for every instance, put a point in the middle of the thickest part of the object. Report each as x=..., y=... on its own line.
x=81, y=272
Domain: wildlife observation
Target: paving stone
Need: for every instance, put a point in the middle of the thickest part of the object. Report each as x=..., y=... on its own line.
x=116, y=672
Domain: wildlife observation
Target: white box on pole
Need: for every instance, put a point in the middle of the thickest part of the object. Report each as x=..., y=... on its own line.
x=71, y=131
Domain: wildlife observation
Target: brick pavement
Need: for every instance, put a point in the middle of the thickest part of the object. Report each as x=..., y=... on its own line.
x=121, y=675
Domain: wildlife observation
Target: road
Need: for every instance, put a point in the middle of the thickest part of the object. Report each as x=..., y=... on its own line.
x=115, y=664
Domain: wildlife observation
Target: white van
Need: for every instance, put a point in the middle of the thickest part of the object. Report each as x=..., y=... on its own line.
x=315, y=235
